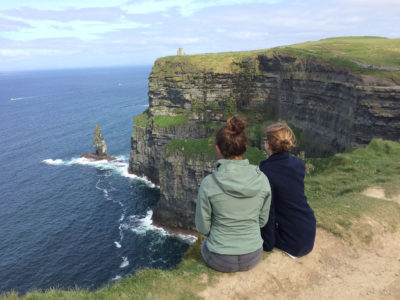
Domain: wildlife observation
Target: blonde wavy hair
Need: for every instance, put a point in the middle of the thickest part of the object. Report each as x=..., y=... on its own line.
x=280, y=137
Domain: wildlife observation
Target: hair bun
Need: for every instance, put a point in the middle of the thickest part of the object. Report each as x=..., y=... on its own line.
x=235, y=125
x=285, y=142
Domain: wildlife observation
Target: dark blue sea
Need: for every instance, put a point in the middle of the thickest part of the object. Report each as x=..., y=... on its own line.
x=67, y=221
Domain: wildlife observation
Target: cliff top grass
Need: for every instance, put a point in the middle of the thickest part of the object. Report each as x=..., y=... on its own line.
x=204, y=149
x=333, y=188
x=351, y=52
x=144, y=119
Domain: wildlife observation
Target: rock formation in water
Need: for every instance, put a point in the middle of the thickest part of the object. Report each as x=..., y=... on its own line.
x=332, y=105
x=100, y=147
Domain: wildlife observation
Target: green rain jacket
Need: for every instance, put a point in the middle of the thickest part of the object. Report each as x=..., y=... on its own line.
x=232, y=204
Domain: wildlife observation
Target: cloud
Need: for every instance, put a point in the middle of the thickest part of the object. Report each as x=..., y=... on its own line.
x=59, y=5
x=11, y=25
x=85, y=30
x=135, y=32
x=104, y=14
x=186, y=8
x=14, y=53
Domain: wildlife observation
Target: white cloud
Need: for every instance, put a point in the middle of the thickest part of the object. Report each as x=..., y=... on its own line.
x=248, y=35
x=14, y=53
x=186, y=8
x=85, y=30
x=140, y=31
x=59, y=5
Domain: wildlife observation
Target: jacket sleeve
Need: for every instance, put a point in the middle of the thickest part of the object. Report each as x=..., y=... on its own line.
x=268, y=231
x=203, y=212
x=265, y=208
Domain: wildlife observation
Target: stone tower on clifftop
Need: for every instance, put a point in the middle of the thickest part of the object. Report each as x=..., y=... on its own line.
x=180, y=52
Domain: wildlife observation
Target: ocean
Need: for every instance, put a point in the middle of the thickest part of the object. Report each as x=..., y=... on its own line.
x=66, y=221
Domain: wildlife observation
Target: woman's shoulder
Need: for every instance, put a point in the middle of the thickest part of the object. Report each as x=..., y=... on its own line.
x=208, y=180
x=296, y=161
x=275, y=163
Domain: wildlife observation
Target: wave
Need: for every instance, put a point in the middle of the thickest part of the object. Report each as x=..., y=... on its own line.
x=104, y=190
x=21, y=98
x=142, y=224
x=125, y=262
x=53, y=162
x=119, y=166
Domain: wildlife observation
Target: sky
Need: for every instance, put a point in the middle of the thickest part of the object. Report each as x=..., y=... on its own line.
x=53, y=34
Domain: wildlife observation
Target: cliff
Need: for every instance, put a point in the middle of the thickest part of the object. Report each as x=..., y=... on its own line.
x=325, y=90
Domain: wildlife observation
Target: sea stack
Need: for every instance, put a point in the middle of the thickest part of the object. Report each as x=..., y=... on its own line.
x=99, y=143
x=100, y=147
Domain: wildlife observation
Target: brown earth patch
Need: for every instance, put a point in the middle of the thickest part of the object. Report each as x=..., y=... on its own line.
x=379, y=192
x=333, y=270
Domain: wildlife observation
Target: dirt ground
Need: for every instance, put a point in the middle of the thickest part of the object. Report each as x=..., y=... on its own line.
x=378, y=192
x=333, y=270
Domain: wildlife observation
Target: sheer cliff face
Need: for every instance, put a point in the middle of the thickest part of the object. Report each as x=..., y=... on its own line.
x=331, y=107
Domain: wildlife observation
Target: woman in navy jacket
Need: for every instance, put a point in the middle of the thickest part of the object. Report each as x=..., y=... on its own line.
x=291, y=224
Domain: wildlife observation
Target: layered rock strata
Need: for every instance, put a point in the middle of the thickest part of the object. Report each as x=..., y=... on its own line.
x=330, y=106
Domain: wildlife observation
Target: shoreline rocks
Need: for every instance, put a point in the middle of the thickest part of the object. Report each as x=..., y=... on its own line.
x=97, y=157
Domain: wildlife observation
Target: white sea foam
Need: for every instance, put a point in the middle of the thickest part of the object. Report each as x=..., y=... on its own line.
x=142, y=224
x=54, y=162
x=104, y=190
x=22, y=98
x=126, y=174
x=118, y=277
x=125, y=262
x=118, y=245
x=119, y=166
x=122, y=217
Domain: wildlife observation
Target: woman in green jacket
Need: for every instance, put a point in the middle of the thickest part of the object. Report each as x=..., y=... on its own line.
x=232, y=205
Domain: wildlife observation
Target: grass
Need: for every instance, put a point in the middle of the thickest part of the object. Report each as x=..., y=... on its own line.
x=142, y=120
x=204, y=149
x=333, y=188
x=344, y=51
x=335, y=184
x=169, y=121
x=368, y=50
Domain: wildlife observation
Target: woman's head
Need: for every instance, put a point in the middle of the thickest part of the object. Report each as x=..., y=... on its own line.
x=231, y=139
x=279, y=137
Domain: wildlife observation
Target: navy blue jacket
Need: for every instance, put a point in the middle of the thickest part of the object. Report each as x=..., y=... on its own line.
x=291, y=223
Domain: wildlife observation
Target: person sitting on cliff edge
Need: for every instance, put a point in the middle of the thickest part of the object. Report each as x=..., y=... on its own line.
x=291, y=224
x=232, y=205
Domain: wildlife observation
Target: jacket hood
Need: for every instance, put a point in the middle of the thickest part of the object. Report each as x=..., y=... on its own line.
x=238, y=178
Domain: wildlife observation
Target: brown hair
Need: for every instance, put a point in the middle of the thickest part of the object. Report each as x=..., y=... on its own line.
x=280, y=137
x=231, y=139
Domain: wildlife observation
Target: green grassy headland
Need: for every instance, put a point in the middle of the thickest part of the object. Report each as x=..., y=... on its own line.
x=333, y=188
x=343, y=51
